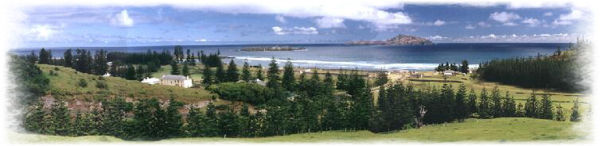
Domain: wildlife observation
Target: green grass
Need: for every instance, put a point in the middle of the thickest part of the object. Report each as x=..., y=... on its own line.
x=472, y=130
x=65, y=85
x=195, y=72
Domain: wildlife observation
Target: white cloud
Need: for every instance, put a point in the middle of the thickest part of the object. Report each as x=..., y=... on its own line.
x=437, y=37
x=490, y=36
x=42, y=32
x=548, y=14
x=532, y=22
x=294, y=30
x=329, y=22
x=483, y=24
x=439, y=22
x=280, y=19
x=122, y=19
x=469, y=27
x=567, y=19
x=506, y=18
x=201, y=40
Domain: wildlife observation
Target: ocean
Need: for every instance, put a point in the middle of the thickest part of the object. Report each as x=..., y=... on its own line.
x=336, y=56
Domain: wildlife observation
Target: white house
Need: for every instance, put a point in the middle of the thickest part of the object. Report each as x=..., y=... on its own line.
x=449, y=73
x=176, y=80
x=151, y=81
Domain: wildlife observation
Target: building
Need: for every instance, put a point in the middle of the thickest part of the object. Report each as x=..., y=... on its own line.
x=449, y=73
x=151, y=81
x=176, y=80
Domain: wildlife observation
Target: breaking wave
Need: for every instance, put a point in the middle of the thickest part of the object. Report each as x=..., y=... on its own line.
x=348, y=64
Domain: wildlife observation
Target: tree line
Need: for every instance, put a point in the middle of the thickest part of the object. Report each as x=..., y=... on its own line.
x=557, y=71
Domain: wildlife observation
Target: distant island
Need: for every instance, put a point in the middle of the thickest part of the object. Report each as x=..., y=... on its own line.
x=273, y=48
x=401, y=40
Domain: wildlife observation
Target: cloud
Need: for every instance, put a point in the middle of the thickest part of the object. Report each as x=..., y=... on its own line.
x=543, y=37
x=42, y=32
x=532, y=22
x=469, y=27
x=328, y=22
x=483, y=24
x=280, y=19
x=295, y=30
x=201, y=40
x=437, y=37
x=122, y=19
x=439, y=22
x=548, y=14
x=567, y=19
x=492, y=36
x=505, y=18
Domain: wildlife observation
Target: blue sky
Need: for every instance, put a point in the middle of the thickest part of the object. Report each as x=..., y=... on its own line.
x=248, y=23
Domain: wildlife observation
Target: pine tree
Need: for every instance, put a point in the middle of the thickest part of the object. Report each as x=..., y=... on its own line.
x=173, y=121
x=328, y=79
x=232, y=72
x=508, y=108
x=472, y=103
x=531, y=106
x=546, y=109
x=382, y=78
x=228, y=127
x=273, y=74
x=130, y=74
x=464, y=67
x=246, y=72
x=68, y=56
x=484, y=105
x=193, y=127
x=461, y=108
x=520, y=111
x=288, y=81
x=211, y=126
x=34, y=119
x=100, y=66
x=185, y=70
x=44, y=57
x=560, y=116
x=220, y=75
x=60, y=118
x=575, y=116
x=259, y=73
x=175, y=68
x=496, y=110
x=207, y=76
x=315, y=75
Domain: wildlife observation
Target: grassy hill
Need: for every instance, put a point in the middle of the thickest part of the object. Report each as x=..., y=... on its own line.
x=65, y=85
x=472, y=130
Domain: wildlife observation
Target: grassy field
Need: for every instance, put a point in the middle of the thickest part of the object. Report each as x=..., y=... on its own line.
x=472, y=130
x=66, y=85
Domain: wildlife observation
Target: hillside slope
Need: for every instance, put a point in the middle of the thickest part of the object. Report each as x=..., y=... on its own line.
x=65, y=85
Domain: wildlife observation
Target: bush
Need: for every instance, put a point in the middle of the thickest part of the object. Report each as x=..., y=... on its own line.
x=246, y=92
x=82, y=83
x=101, y=85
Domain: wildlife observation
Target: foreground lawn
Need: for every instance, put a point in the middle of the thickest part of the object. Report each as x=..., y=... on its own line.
x=472, y=130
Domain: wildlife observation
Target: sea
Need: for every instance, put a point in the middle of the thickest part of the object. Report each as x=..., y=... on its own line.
x=344, y=56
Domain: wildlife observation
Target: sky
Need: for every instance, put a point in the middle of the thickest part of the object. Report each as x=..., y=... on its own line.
x=298, y=22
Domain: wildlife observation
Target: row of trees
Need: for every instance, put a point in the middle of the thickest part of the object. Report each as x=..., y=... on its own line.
x=556, y=71
x=464, y=67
